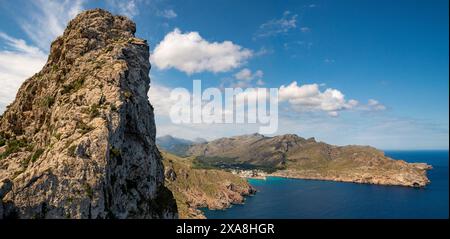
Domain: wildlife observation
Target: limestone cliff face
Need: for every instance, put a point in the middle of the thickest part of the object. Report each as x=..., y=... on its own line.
x=79, y=140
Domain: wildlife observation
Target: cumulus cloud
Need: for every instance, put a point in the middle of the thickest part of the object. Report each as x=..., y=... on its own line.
x=278, y=26
x=309, y=97
x=48, y=20
x=244, y=74
x=168, y=13
x=244, y=78
x=18, y=62
x=190, y=53
x=159, y=96
x=247, y=75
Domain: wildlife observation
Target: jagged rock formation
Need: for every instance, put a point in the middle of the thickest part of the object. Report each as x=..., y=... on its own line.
x=292, y=156
x=195, y=188
x=79, y=140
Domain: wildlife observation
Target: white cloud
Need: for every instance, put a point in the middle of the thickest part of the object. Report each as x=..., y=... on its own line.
x=48, y=19
x=247, y=75
x=18, y=62
x=305, y=29
x=244, y=78
x=310, y=98
x=374, y=105
x=159, y=97
x=128, y=8
x=244, y=74
x=168, y=13
x=260, y=82
x=278, y=26
x=190, y=53
x=263, y=51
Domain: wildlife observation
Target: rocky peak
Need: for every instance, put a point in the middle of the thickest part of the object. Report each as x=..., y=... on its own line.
x=79, y=139
x=89, y=31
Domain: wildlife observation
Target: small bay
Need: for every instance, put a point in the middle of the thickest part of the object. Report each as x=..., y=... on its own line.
x=315, y=199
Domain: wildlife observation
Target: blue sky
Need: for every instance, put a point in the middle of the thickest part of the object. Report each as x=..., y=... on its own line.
x=389, y=56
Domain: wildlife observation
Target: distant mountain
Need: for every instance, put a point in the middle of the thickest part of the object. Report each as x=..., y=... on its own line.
x=168, y=141
x=296, y=157
x=175, y=145
x=200, y=140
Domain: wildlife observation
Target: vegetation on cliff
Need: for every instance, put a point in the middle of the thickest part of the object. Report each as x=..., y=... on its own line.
x=195, y=188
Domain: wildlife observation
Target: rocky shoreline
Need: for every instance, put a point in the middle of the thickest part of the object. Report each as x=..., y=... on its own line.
x=292, y=156
x=196, y=188
x=386, y=179
x=226, y=199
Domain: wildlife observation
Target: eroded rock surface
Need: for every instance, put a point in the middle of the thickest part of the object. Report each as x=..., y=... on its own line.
x=79, y=139
x=196, y=188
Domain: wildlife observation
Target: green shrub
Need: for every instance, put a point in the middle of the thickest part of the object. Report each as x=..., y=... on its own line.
x=48, y=101
x=83, y=127
x=26, y=161
x=37, y=154
x=127, y=94
x=13, y=146
x=94, y=111
x=88, y=190
x=114, y=153
x=71, y=151
x=58, y=136
x=73, y=86
x=113, y=107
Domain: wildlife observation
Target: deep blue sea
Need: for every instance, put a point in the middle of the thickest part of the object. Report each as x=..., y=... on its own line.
x=296, y=198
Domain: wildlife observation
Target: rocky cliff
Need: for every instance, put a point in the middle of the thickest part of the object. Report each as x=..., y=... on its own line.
x=295, y=157
x=196, y=188
x=79, y=139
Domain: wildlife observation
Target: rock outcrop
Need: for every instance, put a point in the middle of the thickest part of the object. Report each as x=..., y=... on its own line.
x=295, y=157
x=196, y=188
x=79, y=139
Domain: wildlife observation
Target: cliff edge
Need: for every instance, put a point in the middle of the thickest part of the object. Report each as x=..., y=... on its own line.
x=79, y=139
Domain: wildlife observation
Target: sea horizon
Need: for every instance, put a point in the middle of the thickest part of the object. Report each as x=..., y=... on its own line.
x=306, y=198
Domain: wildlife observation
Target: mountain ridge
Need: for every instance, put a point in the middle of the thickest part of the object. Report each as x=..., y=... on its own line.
x=296, y=157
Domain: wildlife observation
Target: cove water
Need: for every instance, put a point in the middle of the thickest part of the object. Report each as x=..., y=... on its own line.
x=309, y=199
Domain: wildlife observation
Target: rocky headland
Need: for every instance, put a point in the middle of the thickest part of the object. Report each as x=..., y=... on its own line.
x=292, y=156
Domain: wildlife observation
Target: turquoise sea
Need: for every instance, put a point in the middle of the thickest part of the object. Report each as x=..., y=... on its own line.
x=310, y=199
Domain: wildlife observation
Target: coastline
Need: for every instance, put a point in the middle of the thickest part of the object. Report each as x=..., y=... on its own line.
x=362, y=178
